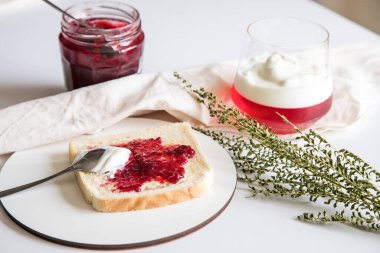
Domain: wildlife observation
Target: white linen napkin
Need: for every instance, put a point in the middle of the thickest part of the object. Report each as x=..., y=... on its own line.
x=356, y=75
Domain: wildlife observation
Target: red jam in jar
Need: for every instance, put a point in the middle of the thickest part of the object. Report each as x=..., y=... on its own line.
x=149, y=161
x=110, y=48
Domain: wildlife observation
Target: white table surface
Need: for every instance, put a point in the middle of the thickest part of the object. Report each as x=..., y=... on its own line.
x=181, y=34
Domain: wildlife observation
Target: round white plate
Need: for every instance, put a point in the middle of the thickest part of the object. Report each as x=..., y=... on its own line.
x=56, y=210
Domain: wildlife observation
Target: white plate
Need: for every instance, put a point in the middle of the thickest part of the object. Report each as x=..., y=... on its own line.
x=57, y=211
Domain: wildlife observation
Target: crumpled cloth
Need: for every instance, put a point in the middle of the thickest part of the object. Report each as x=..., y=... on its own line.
x=356, y=77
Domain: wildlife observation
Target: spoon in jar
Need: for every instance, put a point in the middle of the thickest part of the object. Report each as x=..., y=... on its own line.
x=103, y=49
x=80, y=22
x=87, y=163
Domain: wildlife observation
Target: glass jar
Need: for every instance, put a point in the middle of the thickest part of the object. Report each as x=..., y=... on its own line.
x=284, y=69
x=110, y=48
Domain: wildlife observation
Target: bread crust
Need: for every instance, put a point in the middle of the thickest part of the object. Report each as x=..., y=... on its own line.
x=150, y=201
x=174, y=133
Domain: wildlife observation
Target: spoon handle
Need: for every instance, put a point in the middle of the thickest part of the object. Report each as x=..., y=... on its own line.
x=26, y=186
x=68, y=14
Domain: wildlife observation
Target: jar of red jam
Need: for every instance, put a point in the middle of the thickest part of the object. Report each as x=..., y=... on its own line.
x=108, y=46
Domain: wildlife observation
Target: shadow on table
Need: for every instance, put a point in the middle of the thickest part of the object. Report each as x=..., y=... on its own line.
x=17, y=93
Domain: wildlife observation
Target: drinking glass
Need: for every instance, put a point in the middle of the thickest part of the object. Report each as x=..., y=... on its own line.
x=284, y=69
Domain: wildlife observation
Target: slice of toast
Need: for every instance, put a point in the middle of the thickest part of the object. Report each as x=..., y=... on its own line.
x=103, y=197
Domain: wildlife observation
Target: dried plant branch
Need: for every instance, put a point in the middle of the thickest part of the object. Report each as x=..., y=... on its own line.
x=309, y=166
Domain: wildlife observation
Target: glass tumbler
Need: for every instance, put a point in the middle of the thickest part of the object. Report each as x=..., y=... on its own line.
x=110, y=48
x=284, y=69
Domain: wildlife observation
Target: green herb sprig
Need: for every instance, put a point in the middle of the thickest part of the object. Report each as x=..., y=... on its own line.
x=307, y=167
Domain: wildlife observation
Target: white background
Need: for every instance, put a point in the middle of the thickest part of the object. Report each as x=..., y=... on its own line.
x=182, y=34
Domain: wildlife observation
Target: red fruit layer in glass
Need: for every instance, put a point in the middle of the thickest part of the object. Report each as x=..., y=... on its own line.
x=86, y=65
x=150, y=160
x=301, y=117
